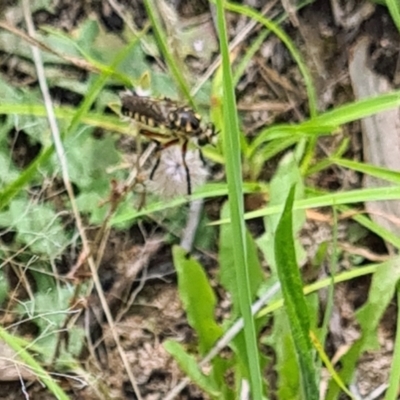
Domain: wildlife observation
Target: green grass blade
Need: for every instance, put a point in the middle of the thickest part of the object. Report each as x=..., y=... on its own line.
x=295, y=304
x=226, y=257
x=393, y=389
x=273, y=27
x=394, y=9
x=373, y=170
x=251, y=51
x=12, y=189
x=30, y=362
x=329, y=121
x=160, y=36
x=235, y=189
x=324, y=357
x=353, y=111
x=323, y=283
x=98, y=85
x=333, y=199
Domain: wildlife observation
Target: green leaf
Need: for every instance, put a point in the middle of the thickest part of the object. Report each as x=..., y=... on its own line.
x=295, y=304
x=286, y=362
x=373, y=170
x=38, y=226
x=35, y=366
x=226, y=260
x=189, y=365
x=383, y=287
x=381, y=292
x=198, y=299
x=3, y=287
x=287, y=175
x=394, y=9
x=88, y=160
x=48, y=310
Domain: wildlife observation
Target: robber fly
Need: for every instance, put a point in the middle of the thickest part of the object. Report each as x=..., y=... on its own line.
x=167, y=123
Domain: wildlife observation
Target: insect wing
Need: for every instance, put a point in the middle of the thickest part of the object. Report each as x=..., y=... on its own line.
x=148, y=111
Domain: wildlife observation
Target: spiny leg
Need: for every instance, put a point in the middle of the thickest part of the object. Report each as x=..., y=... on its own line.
x=159, y=148
x=203, y=160
x=163, y=146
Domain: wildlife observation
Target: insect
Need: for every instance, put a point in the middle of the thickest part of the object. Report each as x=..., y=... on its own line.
x=167, y=123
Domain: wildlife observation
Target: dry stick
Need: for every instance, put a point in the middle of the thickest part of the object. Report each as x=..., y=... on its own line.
x=104, y=232
x=189, y=233
x=226, y=339
x=63, y=163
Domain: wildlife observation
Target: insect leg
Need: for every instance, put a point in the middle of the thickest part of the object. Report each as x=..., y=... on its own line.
x=203, y=160
x=158, y=159
x=160, y=147
x=188, y=181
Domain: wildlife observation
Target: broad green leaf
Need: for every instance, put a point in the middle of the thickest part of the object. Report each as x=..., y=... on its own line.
x=295, y=304
x=198, y=299
x=189, y=365
x=286, y=362
x=226, y=260
x=287, y=175
x=383, y=287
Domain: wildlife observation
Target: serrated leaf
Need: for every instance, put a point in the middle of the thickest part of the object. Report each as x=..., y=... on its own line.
x=38, y=226
x=48, y=310
x=198, y=299
x=189, y=365
x=295, y=304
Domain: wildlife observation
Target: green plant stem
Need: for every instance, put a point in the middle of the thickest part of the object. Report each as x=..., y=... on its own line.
x=172, y=65
x=394, y=9
x=235, y=190
x=36, y=368
x=393, y=390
